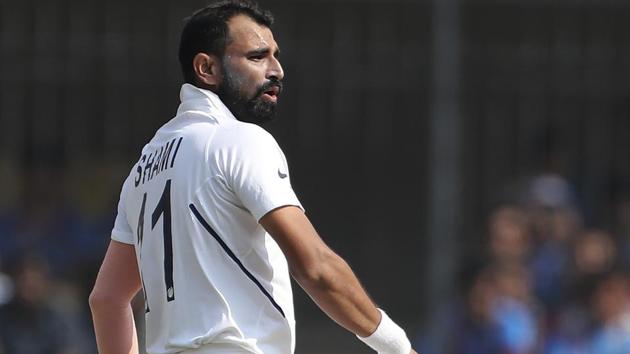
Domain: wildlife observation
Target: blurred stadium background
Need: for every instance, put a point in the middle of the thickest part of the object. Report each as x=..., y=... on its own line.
x=469, y=158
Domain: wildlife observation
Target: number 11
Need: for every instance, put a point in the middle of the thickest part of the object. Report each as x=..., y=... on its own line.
x=163, y=208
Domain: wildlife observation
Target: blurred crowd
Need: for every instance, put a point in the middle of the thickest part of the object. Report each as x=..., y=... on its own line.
x=50, y=249
x=542, y=282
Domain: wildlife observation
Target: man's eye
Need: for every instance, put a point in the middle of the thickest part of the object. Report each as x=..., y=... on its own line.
x=256, y=57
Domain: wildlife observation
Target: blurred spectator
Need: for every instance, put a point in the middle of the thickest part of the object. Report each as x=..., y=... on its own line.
x=570, y=335
x=594, y=253
x=473, y=322
x=550, y=263
x=513, y=310
x=510, y=241
x=549, y=190
x=611, y=305
x=554, y=222
x=498, y=315
x=28, y=324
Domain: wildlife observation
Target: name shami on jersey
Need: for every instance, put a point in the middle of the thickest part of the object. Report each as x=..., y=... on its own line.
x=156, y=162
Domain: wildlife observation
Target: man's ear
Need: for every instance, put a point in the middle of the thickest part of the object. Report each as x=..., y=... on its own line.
x=207, y=70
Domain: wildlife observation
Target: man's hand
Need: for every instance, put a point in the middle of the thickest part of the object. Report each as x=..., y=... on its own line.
x=413, y=352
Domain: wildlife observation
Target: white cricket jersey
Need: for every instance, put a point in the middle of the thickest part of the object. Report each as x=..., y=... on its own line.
x=213, y=278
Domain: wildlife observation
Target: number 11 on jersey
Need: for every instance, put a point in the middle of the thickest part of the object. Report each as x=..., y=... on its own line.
x=162, y=209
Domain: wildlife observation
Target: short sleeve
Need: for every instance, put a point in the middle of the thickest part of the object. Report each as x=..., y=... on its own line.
x=122, y=230
x=257, y=172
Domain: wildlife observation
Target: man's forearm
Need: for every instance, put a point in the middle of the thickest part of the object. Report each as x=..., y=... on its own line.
x=114, y=327
x=337, y=291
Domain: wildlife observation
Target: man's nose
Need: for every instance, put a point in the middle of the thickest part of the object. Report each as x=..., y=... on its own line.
x=275, y=69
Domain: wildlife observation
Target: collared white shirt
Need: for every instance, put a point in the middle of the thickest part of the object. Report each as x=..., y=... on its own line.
x=190, y=206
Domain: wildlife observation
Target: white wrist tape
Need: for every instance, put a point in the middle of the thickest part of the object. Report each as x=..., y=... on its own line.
x=388, y=338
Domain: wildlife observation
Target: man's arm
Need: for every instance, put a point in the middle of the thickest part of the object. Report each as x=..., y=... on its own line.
x=117, y=283
x=324, y=275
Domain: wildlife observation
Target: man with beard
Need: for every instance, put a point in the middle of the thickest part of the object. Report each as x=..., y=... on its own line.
x=208, y=224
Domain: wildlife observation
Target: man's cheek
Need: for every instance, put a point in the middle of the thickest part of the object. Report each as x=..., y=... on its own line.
x=253, y=92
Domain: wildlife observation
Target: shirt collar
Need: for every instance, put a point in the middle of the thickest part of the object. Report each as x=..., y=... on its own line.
x=194, y=98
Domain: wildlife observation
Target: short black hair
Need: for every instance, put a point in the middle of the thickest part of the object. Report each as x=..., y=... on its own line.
x=206, y=30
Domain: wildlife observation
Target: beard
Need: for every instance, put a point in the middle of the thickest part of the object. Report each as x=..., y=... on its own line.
x=252, y=110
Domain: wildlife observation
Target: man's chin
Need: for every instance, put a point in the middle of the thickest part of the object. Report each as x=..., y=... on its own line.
x=262, y=111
